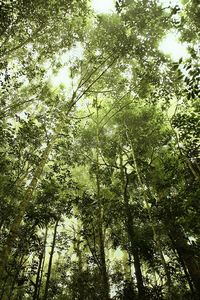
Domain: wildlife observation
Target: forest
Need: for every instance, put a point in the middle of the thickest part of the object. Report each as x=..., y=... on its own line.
x=99, y=151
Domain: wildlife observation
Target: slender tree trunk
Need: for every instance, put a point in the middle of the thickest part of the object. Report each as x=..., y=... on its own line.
x=77, y=249
x=182, y=263
x=186, y=253
x=155, y=233
x=104, y=273
x=194, y=170
x=138, y=273
x=41, y=257
x=131, y=234
x=6, y=250
x=43, y=264
x=50, y=262
x=38, y=276
x=5, y=253
x=135, y=253
x=9, y=283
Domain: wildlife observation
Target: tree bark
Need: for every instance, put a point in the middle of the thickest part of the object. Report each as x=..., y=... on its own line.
x=104, y=273
x=131, y=234
x=188, y=256
x=155, y=232
x=50, y=262
x=13, y=234
x=42, y=267
x=37, y=174
x=182, y=263
x=41, y=257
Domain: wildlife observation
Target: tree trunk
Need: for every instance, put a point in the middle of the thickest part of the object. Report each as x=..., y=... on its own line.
x=187, y=254
x=50, y=262
x=77, y=249
x=13, y=234
x=104, y=273
x=182, y=263
x=131, y=234
x=42, y=267
x=155, y=232
x=6, y=250
x=10, y=281
x=41, y=257
x=135, y=253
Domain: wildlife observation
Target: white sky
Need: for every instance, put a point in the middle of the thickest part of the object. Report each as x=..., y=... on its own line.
x=63, y=75
x=108, y=6
x=171, y=45
x=103, y=6
x=169, y=2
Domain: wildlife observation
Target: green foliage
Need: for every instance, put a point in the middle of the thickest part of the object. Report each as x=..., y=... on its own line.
x=99, y=178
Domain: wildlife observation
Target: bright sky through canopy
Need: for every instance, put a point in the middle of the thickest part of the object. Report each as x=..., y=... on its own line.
x=172, y=46
x=170, y=2
x=63, y=75
x=103, y=6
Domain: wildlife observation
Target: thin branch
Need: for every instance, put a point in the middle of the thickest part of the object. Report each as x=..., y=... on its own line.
x=120, y=109
x=28, y=40
x=96, y=79
x=117, y=101
x=8, y=108
x=93, y=253
x=74, y=100
x=80, y=118
x=92, y=73
x=107, y=164
x=100, y=92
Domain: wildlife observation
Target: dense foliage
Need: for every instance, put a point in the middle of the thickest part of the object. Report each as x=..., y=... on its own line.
x=99, y=176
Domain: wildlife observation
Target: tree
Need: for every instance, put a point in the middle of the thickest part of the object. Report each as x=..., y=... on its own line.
x=99, y=177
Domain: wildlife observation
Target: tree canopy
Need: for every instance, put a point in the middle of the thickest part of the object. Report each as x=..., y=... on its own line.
x=99, y=172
